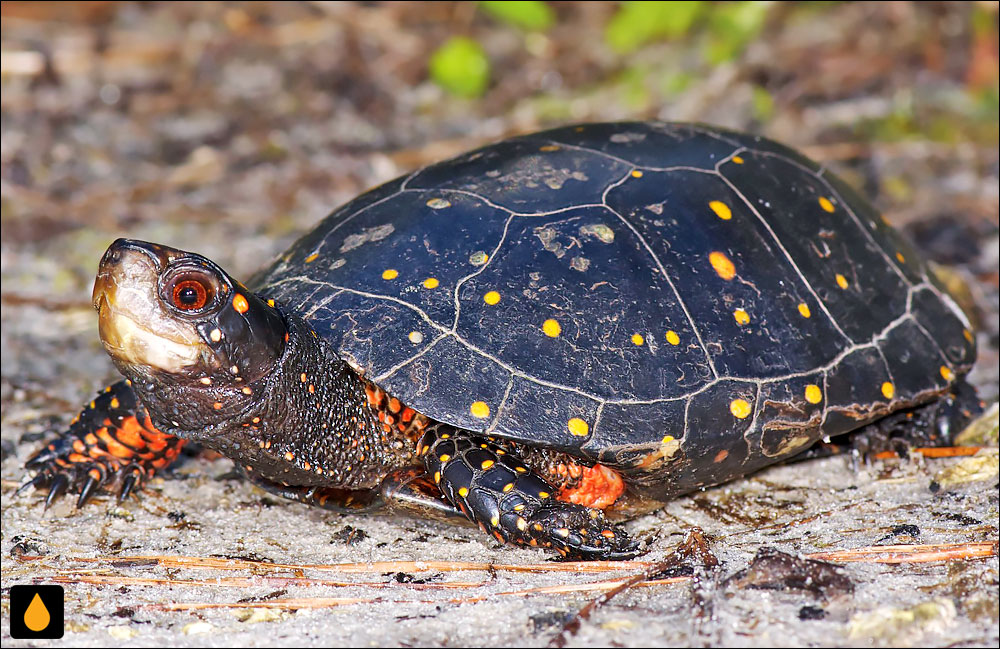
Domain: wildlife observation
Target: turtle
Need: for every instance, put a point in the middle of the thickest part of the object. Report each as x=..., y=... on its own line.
x=543, y=336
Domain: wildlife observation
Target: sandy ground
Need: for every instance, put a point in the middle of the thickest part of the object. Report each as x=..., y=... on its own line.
x=224, y=146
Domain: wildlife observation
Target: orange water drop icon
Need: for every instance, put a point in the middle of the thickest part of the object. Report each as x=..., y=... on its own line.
x=37, y=616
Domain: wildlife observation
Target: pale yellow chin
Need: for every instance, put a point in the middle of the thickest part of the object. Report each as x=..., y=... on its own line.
x=128, y=341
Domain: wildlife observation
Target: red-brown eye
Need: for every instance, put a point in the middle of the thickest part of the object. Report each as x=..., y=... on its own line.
x=189, y=294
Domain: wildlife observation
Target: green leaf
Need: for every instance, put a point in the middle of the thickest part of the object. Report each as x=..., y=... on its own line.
x=528, y=14
x=638, y=23
x=732, y=25
x=460, y=66
x=763, y=104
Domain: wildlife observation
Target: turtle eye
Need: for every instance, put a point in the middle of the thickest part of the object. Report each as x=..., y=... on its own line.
x=190, y=291
x=189, y=295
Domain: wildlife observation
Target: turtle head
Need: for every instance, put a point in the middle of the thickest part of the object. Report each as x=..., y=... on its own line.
x=169, y=313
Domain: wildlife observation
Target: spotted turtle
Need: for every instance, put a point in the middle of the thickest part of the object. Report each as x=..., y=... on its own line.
x=537, y=336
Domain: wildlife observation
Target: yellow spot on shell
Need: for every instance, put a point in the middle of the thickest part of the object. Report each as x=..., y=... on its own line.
x=491, y=298
x=637, y=339
x=742, y=317
x=721, y=210
x=738, y=160
x=946, y=373
x=667, y=439
x=967, y=334
x=463, y=491
x=673, y=338
x=438, y=203
x=804, y=310
x=578, y=427
x=416, y=337
x=431, y=282
x=813, y=393
x=487, y=464
x=888, y=390
x=636, y=173
x=549, y=147
x=311, y=258
x=479, y=409
x=215, y=335
x=900, y=257
x=478, y=258
x=551, y=328
x=826, y=204
x=722, y=265
x=842, y=281
x=390, y=273
x=740, y=408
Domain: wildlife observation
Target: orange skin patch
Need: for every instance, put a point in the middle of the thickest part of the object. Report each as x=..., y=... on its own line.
x=131, y=440
x=392, y=413
x=598, y=487
x=240, y=303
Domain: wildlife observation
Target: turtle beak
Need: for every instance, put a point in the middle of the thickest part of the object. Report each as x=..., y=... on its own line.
x=134, y=326
x=124, y=258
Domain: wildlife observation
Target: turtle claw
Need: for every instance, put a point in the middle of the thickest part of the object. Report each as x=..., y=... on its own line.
x=57, y=487
x=36, y=482
x=88, y=490
x=129, y=483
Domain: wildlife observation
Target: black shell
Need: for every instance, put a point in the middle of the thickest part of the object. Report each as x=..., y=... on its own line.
x=648, y=295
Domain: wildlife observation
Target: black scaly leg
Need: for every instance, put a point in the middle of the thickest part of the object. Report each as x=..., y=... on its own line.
x=111, y=443
x=493, y=488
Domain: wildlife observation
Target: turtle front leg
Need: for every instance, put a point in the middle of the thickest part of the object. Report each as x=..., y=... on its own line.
x=111, y=444
x=495, y=489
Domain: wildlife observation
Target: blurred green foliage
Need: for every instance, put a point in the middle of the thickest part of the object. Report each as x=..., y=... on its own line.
x=638, y=23
x=461, y=67
x=762, y=103
x=731, y=27
x=693, y=37
x=531, y=15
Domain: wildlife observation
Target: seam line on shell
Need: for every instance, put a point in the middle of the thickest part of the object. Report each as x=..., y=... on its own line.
x=854, y=217
x=663, y=271
x=326, y=237
x=631, y=165
x=781, y=247
x=489, y=260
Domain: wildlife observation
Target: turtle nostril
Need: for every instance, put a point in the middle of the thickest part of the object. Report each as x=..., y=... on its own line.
x=113, y=254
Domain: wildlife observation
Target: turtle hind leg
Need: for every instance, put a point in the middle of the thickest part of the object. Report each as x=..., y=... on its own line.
x=494, y=488
x=936, y=423
x=111, y=444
